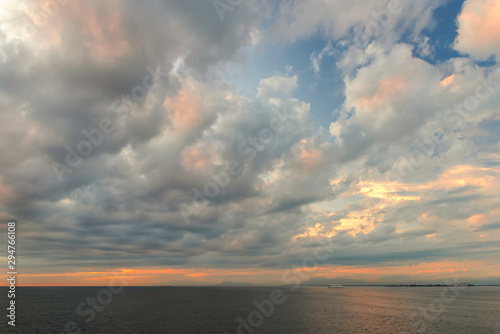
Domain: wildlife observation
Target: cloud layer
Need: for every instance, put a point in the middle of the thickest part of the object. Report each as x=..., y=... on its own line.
x=124, y=146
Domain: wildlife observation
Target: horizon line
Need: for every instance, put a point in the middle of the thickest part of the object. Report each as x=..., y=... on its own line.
x=226, y=286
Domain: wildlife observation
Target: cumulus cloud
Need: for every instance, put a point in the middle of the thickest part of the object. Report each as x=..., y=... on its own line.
x=417, y=101
x=477, y=26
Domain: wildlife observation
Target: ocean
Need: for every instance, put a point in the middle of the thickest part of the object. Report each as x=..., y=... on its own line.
x=370, y=310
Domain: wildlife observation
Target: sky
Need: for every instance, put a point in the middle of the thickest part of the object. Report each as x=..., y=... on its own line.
x=266, y=142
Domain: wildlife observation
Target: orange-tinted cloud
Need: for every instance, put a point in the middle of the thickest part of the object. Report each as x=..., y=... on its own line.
x=310, y=158
x=454, y=177
x=383, y=94
x=97, y=27
x=480, y=218
x=196, y=157
x=379, y=196
x=185, y=110
x=478, y=27
x=447, y=81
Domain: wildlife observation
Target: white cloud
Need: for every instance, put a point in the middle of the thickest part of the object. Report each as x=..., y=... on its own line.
x=277, y=84
x=478, y=27
x=424, y=49
x=396, y=101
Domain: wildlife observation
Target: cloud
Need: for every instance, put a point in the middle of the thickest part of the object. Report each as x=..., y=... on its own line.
x=316, y=59
x=277, y=84
x=394, y=91
x=397, y=103
x=477, y=24
x=381, y=20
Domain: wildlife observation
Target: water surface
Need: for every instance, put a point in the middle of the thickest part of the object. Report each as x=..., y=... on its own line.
x=384, y=310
